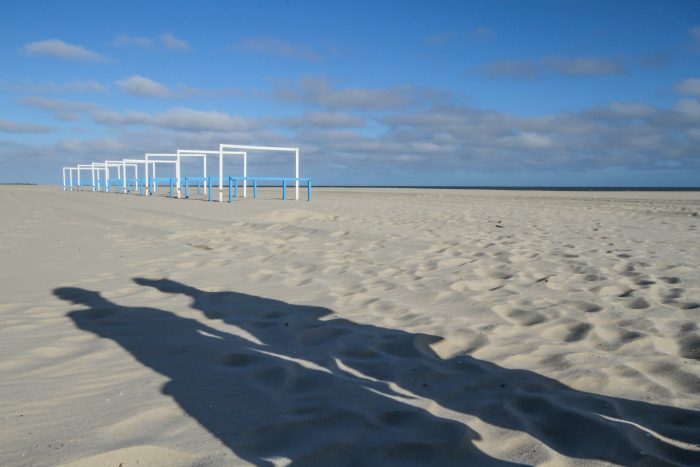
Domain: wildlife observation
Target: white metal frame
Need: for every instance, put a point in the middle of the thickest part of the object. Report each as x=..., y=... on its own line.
x=262, y=148
x=149, y=191
x=86, y=167
x=191, y=153
x=245, y=162
x=122, y=174
x=140, y=161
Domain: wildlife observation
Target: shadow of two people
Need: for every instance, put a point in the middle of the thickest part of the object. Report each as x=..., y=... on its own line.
x=316, y=391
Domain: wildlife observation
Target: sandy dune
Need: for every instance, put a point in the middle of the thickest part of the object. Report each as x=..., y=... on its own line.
x=369, y=327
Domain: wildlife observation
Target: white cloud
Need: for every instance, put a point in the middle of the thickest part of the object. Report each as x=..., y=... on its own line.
x=319, y=91
x=189, y=90
x=515, y=69
x=52, y=88
x=145, y=87
x=140, y=86
x=582, y=66
x=64, y=109
x=57, y=105
x=689, y=86
x=8, y=126
x=565, y=66
x=409, y=127
x=59, y=49
x=631, y=109
x=170, y=42
x=690, y=108
x=124, y=40
x=179, y=118
x=322, y=120
x=270, y=46
x=532, y=140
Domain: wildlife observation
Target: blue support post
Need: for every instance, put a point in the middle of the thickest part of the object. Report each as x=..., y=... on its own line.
x=171, y=188
x=284, y=189
x=309, y=188
x=230, y=190
x=198, y=185
x=235, y=192
x=141, y=188
x=210, y=188
x=255, y=188
x=187, y=188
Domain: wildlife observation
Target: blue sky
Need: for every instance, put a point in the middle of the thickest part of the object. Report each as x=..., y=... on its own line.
x=554, y=93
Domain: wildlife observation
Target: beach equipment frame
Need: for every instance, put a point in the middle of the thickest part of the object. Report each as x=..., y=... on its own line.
x=184, y=152
x=149, y=184
x=259, y=148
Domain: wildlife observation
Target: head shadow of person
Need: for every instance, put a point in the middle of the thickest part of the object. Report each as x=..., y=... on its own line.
x=292, y=382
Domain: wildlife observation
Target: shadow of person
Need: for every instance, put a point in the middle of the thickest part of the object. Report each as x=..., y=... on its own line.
x=266, y=403
x=322, y=390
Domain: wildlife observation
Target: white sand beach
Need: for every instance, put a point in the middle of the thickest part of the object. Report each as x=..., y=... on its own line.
x=367, y=327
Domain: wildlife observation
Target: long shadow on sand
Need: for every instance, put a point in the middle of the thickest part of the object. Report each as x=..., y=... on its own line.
x=332, y=392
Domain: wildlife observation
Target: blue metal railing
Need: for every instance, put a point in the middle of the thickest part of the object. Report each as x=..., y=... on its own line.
x=142, y=183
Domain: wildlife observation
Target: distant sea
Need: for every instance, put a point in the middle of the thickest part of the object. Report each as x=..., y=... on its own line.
x=529, y=188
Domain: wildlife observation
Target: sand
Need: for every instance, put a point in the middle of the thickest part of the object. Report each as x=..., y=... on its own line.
x=368, y=327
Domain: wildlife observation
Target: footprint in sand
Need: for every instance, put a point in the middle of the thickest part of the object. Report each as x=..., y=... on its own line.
x=297, y=281
x=335, y=270
x=188, y=264
x=637, y=303
x=378, y=285
x=297, y=267
x=264, y=275
x=452, y=262
x=611, y=290
x=570, y=332
x=476, y=286
x=586, y=307
x=519, y=316
x=494, y=274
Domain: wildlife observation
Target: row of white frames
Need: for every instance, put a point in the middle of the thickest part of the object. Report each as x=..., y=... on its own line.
x=122, y=165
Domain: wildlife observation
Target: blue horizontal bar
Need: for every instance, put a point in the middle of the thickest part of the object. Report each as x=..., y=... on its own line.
x=272, y=178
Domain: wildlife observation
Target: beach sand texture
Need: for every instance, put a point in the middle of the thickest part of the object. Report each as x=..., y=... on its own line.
x=390, y=327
